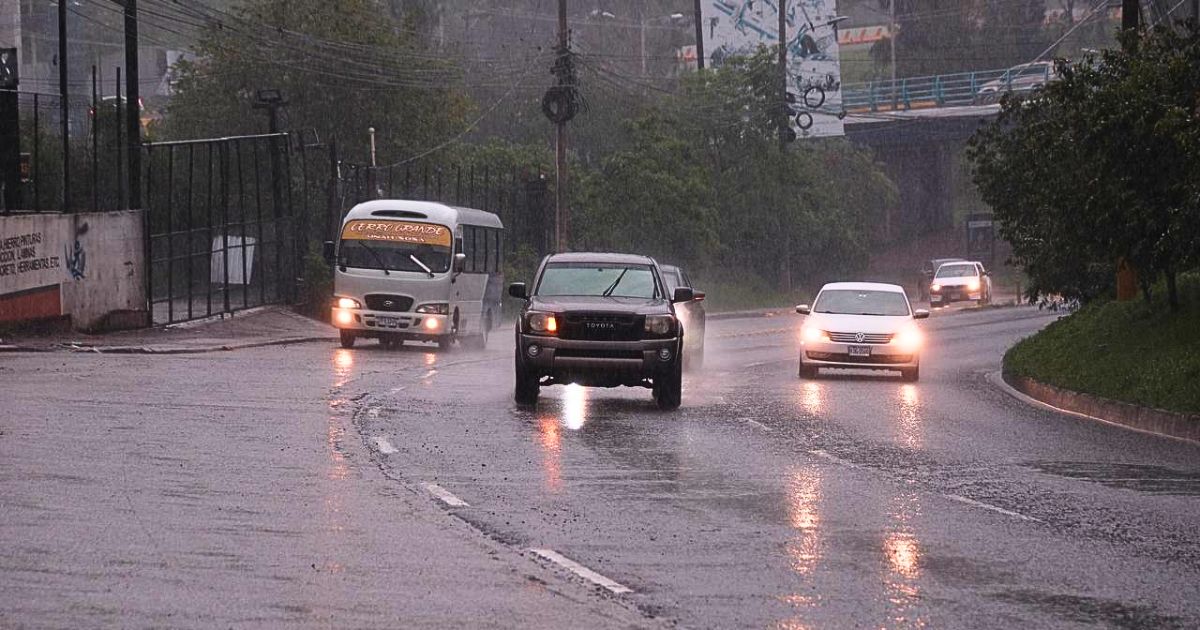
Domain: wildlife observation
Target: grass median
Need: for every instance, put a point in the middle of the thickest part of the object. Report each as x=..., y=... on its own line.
x=1128, y=351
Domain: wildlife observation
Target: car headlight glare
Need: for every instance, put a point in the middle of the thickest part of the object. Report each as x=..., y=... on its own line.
x=812, y=333
x=909, y=339
x=935, y=287
x=973, y=285
x=660, y=324
x=348, y=303
x=542, y=322
x=440, y=308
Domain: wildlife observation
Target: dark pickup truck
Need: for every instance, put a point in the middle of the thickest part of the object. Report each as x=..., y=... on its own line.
x=599, y=320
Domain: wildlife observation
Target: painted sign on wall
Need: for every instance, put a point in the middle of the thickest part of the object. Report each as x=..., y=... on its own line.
x=739, y=27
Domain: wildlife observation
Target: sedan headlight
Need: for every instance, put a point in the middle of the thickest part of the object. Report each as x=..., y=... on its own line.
x=660, y=324
x=348, y=303
x=909, y=339
x=542, y=322
x=813, y=334
x=935, y=287
x=440, y=308
x=973, y=285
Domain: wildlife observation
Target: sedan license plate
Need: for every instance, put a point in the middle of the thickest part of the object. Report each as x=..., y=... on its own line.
x=387, y=322
x=859, y=351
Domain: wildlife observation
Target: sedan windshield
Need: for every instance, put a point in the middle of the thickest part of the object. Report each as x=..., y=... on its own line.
x=599, y=280
x=861, y=302
x=956, y=271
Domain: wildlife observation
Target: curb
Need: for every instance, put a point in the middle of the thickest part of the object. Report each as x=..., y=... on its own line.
x=1158, y=422
x=226, y=347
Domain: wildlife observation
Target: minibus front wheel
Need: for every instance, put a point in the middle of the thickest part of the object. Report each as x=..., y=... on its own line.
x=347, y=338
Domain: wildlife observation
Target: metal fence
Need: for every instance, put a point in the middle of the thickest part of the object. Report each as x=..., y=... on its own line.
x=92, y=155
x=222, y=226
x=943, y=90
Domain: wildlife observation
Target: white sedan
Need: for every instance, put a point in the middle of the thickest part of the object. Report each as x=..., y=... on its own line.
x=861, y=325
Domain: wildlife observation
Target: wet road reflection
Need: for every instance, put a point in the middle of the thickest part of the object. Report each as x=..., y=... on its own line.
x=574, y=407
x=902, y=563
x=550, y=441
x=813, y=398
x=909, y=426
x=806, y=549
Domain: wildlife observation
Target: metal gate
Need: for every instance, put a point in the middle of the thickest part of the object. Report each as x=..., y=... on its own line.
x=222, y=231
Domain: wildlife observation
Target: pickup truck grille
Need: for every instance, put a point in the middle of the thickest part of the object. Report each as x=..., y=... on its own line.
x=601, y=327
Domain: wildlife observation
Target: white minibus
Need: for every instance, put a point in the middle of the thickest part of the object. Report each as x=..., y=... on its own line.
x=417, y=271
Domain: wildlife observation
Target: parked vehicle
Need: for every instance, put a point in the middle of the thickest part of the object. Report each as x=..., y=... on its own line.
x=417, y=271
x=600, y=320
x=861, y=325
x=691, y=314
x=960, y=282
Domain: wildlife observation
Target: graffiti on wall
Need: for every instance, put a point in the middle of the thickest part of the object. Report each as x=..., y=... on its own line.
x=739, y=27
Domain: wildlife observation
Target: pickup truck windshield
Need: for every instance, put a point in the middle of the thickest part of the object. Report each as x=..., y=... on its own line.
x=854, y=302
x=598, y=280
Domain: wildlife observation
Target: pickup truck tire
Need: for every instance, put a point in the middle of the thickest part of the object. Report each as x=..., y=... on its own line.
x=347, y=338
x=526, y=390
x=668, y=390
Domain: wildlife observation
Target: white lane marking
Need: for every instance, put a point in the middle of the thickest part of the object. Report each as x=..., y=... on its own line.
x=581, y=571
x=833, y=458
x=766, y=363
x=383, y=445
x=988, y=506
x=373, y=412
x=444, y=495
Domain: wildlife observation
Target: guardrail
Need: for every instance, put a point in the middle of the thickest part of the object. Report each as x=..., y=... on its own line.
x=943, y=90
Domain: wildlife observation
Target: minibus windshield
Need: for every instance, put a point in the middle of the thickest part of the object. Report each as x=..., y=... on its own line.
x=395, y=246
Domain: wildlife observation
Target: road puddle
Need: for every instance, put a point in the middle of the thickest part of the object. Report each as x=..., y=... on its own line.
x=1139, y=477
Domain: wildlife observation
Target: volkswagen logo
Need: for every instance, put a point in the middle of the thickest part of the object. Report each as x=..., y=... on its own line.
x=859, y=337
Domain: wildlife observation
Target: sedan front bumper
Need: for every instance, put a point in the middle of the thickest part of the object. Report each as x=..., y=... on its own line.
x=882, y=356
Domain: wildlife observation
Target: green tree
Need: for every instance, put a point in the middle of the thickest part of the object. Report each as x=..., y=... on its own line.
x=343, y=66
x=1101, y=166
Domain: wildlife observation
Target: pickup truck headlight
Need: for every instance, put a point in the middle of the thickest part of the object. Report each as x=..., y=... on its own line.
x=660, y=324
x=441, y=308
x=539, y=322
x=348, y=303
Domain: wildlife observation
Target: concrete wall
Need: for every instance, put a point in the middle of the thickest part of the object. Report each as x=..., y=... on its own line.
x=88, y=267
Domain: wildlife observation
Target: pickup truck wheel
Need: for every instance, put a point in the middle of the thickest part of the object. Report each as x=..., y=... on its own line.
x=347, y=338
x=668, y=391
x=527, y=388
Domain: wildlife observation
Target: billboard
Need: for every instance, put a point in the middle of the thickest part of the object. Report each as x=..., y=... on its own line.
x=739, y=27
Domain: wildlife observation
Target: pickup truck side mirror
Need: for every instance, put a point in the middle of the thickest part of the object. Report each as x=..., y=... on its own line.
x=803, y=309
x=698, y=295
x=518, y=290
x=683, y=294
x=920, y=314
x=328, y=252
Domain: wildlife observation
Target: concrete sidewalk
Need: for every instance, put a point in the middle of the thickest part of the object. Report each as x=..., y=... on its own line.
x=265, y=326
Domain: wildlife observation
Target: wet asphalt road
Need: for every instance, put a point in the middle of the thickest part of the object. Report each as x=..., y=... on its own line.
x=291, y=486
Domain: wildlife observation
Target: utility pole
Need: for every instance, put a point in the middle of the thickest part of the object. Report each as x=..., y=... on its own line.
x=272, y=100
x=892, y=47
x=699, y=36
x=786, y=135
x=642, y=35
x=1130, y=14
x=560, y=145
x=133, y=104
x=65, y=111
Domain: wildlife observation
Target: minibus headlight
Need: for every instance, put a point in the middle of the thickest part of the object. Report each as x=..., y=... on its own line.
x=440, y=308
x=660, y=324
x=542, y=322
x=348, y=303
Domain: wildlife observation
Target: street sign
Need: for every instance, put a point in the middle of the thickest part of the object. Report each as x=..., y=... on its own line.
x=981, y=237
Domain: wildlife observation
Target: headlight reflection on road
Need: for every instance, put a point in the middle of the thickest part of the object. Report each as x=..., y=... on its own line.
x=550, y=441
x=902, y=552
x=812, y=398
x=912, y=433
x=575, y=404
x=805, y=549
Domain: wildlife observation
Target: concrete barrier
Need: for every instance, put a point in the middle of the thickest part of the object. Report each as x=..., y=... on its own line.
x=1158, y=421
x=87, y=267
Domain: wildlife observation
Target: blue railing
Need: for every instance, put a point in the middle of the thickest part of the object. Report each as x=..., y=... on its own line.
x=943, y=90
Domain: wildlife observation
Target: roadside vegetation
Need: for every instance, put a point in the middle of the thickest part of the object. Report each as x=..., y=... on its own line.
x=1136, y=352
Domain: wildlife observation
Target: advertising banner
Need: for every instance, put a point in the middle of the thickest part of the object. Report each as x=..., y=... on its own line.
x=739, y=27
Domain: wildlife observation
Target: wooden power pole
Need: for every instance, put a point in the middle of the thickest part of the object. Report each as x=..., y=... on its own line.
x=560, y=147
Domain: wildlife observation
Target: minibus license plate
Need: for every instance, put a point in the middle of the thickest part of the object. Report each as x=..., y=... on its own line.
x=388, y=322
